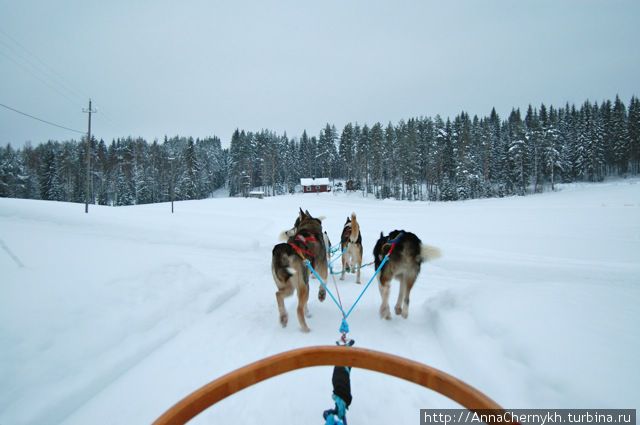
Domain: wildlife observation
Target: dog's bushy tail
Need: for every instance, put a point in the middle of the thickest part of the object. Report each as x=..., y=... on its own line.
x=355, y=228
x=428, y=252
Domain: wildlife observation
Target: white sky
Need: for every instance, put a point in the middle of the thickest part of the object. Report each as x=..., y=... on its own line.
x=200, y=68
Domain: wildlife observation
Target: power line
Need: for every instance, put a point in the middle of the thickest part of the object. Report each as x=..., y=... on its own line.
x=23, y=57
x=46, y=83
x=42, y=68
x=41, y=120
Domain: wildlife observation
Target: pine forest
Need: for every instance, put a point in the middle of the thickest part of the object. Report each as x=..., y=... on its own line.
x=426, y=158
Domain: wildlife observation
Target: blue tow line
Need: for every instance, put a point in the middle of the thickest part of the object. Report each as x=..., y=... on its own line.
x=338, y=415
x=340, y=410
x=345, y=315
x=333, y=250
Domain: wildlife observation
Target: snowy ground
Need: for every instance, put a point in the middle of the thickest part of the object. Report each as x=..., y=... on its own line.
x=111, y=317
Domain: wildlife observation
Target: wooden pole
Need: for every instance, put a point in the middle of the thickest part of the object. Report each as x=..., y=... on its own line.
x=87, y=194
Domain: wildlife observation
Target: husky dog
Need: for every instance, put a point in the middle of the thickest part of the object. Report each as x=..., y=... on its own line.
x=351, y=246
x=305, y=241
x=407, y=255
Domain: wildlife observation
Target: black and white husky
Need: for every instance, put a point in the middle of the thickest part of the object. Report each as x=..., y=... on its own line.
x=305, y=241
x=407, y=255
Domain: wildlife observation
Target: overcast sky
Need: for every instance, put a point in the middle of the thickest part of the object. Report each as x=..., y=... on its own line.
x=201, y=68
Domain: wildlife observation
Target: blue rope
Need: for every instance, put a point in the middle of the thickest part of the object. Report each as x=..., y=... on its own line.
x=334, y=249
x=331, y=420
x=346, y=315
x=344, y=327
x=341, y=406
x=310, y=267
x=384, y=260
x=355, y=268
x=337, y=415
x=338, y=257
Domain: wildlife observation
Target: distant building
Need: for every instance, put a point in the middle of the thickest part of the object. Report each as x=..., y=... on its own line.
x=315, y=185
x=256, y=194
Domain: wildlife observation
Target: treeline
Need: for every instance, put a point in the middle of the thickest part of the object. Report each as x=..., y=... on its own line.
x=419, y=159
x=429, y=158
x=126, y=172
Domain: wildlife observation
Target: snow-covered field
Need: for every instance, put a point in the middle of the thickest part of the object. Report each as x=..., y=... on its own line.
x=112, y=317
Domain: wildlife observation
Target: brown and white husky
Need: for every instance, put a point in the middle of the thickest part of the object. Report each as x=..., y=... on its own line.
x=351, y=247
x=305, y=241
x=404, y=264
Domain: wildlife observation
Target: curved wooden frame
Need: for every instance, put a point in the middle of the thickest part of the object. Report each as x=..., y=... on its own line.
x=361, y=358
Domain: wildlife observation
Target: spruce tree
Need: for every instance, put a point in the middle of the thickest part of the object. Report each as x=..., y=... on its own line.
x=389, y=173
x=634, y=134
x=376, y=157
x=346, y=152
x=620, y=134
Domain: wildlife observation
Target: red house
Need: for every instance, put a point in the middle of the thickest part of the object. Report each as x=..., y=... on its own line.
x=315, y=185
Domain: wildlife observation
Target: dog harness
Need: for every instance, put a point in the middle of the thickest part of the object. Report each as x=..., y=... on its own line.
x=303, y=250
x=392, y=243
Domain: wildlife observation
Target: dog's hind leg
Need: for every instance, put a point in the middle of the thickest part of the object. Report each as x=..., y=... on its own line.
x=401, y=295
x=358, y=263
x=384, y=285
x=281, y=294
x=303, y=298
x=407, y=282
x=305, y=275
x=323, y=271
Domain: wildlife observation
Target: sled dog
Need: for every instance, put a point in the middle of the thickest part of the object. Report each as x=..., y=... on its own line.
x=305, y=241
x=351, y=247
x=407, y=255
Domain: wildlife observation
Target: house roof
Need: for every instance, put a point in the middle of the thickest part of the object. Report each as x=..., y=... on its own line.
x=315, y=182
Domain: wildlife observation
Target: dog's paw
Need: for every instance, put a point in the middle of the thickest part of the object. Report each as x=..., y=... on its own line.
x=322, y=294
x=385, y=313
x=398, y=310
x=305, y=329
x=284, y=319
x=405, y=313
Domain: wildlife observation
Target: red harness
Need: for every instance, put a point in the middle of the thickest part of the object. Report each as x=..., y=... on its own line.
x=300, y=250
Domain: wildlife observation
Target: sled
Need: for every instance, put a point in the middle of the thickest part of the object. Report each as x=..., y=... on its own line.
x=300, y=358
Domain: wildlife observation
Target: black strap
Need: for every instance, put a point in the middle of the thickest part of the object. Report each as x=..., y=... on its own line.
x=341, y=381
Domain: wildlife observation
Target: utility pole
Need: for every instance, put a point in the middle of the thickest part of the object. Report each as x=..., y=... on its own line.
x=88, y=188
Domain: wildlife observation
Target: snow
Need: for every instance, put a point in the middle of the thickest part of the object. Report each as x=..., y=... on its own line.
x=113, y=316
